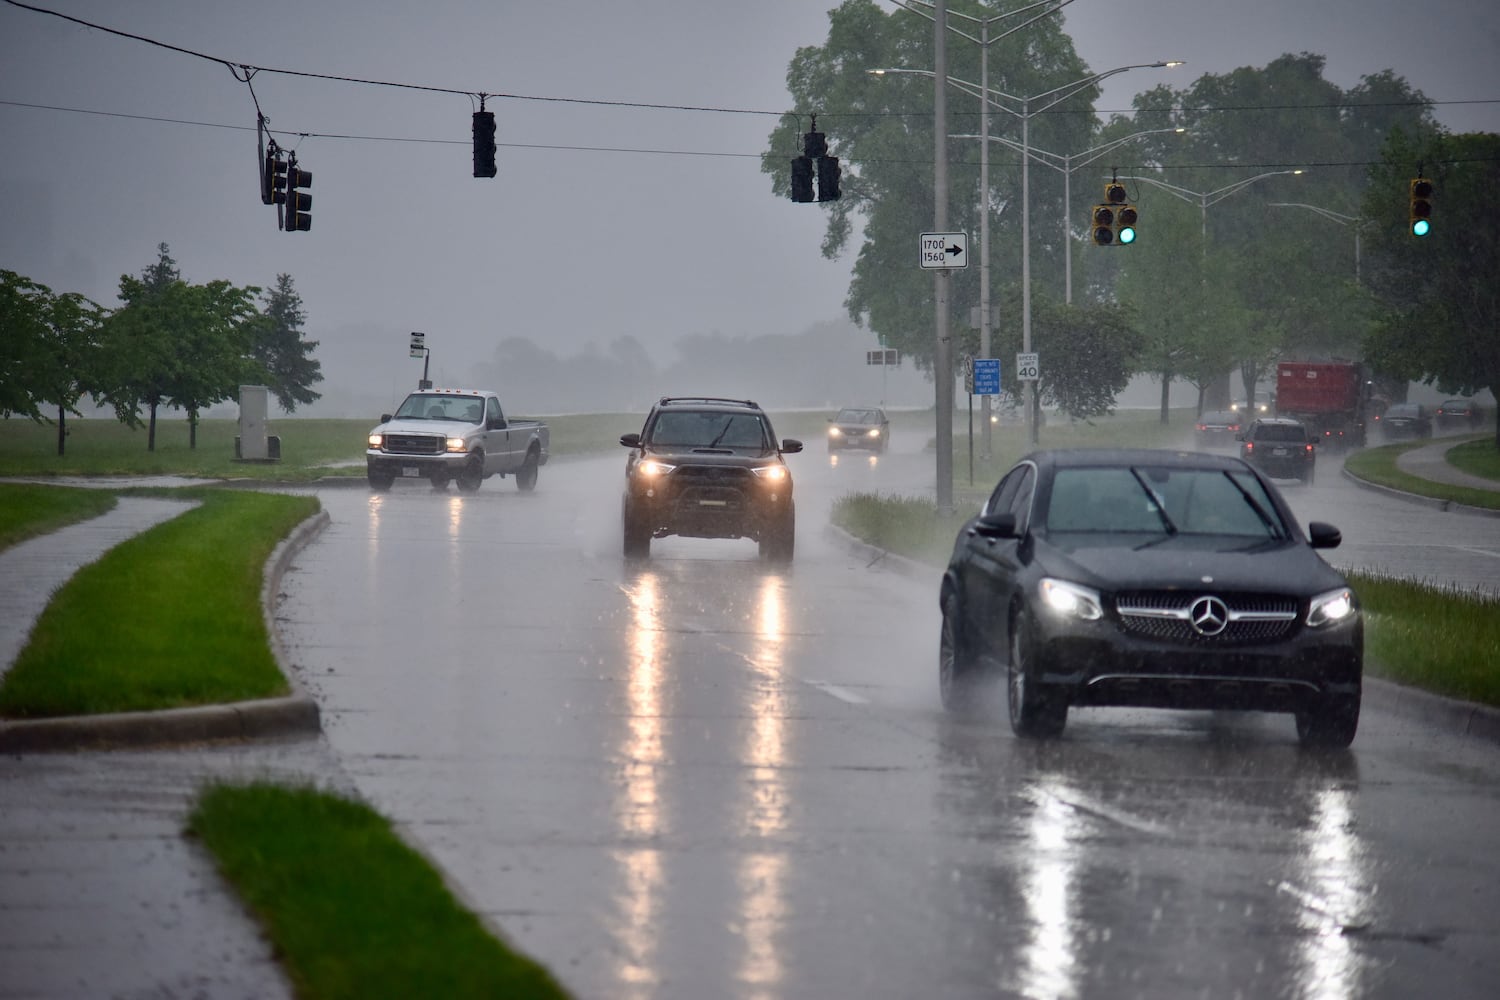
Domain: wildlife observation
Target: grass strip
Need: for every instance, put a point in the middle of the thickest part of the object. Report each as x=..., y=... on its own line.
x=351, y=910
x=1378, y=465
x=1477, y=458
x=27, y=510
x=169, y=618
x=1440, y=639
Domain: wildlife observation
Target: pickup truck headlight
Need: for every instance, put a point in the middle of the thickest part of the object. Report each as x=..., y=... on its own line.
x=1331, y=608
x=1069, y=600
x=457, y=444
x=377, y=440
x=770, y=473
x=652, y=469
x=874, y=432
x=834, y=432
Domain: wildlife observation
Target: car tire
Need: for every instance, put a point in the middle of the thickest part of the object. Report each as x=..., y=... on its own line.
x=380, y=482
x=960, y=680
x=1330, y=722
x=1034, y=714
x=779, y=542
x=439, y=481
x=636, y=534
x=472, y=474
x=526, y=475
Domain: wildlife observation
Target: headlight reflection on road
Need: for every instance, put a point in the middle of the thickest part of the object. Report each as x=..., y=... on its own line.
x=1331, y=869
x=639, y=813
x=1049, y=966
x=762, y=875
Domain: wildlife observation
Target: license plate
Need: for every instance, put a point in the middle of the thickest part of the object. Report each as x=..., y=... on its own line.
x=411, y=471
x=713, y=503
x=1278, y=452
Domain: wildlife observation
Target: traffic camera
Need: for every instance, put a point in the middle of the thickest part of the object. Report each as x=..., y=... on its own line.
x=1420, y=215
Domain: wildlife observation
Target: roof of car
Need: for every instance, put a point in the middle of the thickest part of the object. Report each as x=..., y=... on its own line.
x=1277, y=421
x=1216, y=414
x=1082, y=457
x=707, y=403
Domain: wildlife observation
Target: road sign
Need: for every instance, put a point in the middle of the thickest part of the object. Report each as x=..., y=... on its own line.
x=884, y=356
x=417, y=346
x=986, y=377
x=1028, y=367
x=943, y=251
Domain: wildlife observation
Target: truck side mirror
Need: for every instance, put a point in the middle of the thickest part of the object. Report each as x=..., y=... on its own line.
x=631, y=440
x=385, y=418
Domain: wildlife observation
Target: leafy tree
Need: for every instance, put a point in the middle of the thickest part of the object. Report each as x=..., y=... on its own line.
x=277, y=345
x=23, y=305
x=1091, y=352
x=1440, y=293
x=50, y=350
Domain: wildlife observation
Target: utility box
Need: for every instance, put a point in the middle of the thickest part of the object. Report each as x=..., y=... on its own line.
x=253, y=444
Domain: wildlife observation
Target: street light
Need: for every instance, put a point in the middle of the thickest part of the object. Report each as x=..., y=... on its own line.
x=1050, y=99
x=1067, y=168
x=1207, y=198
x=1328, y=213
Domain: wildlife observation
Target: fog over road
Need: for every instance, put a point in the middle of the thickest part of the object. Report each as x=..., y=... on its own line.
x=701, y=776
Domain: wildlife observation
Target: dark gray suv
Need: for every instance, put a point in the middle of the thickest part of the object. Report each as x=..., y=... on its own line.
x=708, y=467
x=1280, y=448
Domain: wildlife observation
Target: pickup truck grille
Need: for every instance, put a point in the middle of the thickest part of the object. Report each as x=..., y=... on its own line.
x=414, y=444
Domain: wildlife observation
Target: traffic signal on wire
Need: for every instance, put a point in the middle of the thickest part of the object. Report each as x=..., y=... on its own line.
x=484, y=144
x=273, y=179
x=1125, y=218
x=1420, y=214
x=298, y=202
x=828, y=178
x=802, y=178
x=1114, y=193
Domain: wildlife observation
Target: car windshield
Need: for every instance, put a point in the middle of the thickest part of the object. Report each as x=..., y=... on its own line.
x=1280, y=432
x=1404, y=410
x=438, y=406
x=857, y=417
x=1162, y=500
x=709, y=429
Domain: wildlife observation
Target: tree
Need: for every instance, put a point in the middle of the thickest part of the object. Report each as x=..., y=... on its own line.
x=23, y=305
x=1091, y=353
x=278, y=347
x=1440, y=293
x=49, y=354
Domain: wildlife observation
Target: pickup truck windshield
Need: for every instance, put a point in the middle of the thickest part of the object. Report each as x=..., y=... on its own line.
x=437, y=406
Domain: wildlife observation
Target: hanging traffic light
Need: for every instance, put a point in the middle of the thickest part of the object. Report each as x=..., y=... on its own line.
x=1103, y=225
x=484, y=144
x=1114, y=193
x=298, y=203
x=1125, y=217
x=1420, y=214
x=802, y=178
x=273, y=179
x=828, y=178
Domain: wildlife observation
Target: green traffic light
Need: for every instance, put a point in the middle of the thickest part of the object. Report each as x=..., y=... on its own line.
x=1421, y=227
x=1127, y=235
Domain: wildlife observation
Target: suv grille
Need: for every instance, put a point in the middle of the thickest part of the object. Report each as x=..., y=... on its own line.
x=1167, y=615
x=414, y=444
x=696, y=486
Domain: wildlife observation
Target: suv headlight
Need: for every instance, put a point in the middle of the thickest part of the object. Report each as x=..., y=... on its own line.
x=771, y=473
x=1069, y=600
x=651, y=468
x=1331, y=608
x=376, y=440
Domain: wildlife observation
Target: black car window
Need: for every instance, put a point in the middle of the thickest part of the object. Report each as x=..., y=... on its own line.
x=1195, y=501
x=1281, y=432
x=1020, y=503
x=708, y=429
x=1004, y=491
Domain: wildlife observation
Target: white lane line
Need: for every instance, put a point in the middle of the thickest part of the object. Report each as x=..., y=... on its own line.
x=842, y=694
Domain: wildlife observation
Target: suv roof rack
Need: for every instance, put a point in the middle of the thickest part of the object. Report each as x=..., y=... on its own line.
x=706, y=399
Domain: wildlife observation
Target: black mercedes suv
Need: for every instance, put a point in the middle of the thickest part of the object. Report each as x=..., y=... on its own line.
x=707, y=467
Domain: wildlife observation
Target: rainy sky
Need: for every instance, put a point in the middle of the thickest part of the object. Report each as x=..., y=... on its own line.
x=605, y=220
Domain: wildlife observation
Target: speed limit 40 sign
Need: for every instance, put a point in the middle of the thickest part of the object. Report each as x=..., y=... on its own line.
x=1028, y=367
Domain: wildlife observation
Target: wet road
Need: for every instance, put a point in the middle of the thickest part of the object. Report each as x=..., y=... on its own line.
x=700, y=777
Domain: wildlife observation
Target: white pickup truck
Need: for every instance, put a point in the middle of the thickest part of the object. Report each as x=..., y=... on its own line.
x=457, y=434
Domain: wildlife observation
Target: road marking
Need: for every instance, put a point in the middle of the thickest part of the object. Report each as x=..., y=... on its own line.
x=842, y=694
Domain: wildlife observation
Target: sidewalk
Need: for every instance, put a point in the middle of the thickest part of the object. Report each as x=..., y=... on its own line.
x=1430, y=462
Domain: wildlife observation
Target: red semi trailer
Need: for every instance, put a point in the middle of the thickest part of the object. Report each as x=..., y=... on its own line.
x=1329, y=397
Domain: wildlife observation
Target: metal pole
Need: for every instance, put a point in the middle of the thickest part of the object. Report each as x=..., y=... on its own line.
x=984, y=232
x=1068, y=229
x=942, y=354
x=1031, y=387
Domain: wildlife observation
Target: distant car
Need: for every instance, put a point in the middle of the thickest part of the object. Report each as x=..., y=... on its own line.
x=859, y=427
x=1260, y=407
x=1279, y=447
x=1159, y=579
x=1217, y=427
x=1460, y=413
x=1406, y=420
x=707, y=467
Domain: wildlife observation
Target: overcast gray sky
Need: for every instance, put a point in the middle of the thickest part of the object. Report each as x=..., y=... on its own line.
x=603, y=221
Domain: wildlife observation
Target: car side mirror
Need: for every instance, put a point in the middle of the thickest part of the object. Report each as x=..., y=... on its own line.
x=1323, y=535
x=791, y=446
x=385, y=418
x=999, y=525
x=631, y=440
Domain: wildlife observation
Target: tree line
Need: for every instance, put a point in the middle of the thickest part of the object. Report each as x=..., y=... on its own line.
x=170, y=343
x=1239, y=261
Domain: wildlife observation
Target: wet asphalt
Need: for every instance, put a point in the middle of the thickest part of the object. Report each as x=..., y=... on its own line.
x=100, y=892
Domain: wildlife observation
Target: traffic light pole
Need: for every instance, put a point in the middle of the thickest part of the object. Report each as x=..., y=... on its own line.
x=942, y=348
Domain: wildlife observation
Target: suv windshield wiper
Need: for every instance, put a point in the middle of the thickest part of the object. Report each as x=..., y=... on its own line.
x=1156, y=504
x=1260, y=512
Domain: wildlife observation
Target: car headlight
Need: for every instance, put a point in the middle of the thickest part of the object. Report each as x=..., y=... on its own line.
x=834, y=432
x=376, y=440
x=1069, y=600
x=874, y=432
x=770, y=473
x=651, y=468
x=1331, y=608
x=456, y=444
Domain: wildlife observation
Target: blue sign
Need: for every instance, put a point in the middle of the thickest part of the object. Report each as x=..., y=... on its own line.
x=986, y=376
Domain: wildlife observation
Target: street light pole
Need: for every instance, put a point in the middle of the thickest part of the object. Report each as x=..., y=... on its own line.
x=942, y=356
x=1327, y=213
x=1207, y=198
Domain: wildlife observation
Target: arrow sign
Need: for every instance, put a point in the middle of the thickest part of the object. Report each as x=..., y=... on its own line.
x=944, y=251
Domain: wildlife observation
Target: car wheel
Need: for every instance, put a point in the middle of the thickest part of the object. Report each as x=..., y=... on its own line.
x=526, y=475
x=779, y=542
x=472, y=474
x=440, y=480
x=380, y=481
x=637, y=534
x=1330, y=722
x=960, y=681
x=1033, y=713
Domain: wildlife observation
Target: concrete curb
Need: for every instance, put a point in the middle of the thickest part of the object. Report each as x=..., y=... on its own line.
x=266, y=718
x=1437, y=503
x=1464, y=718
